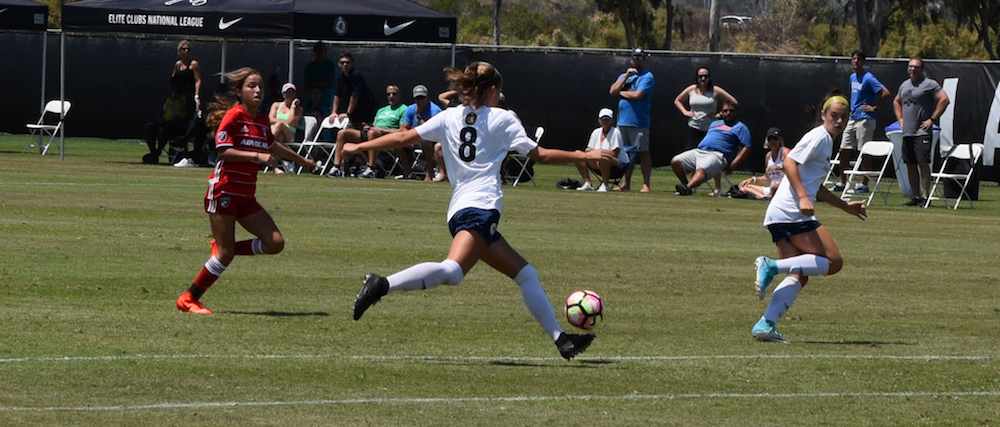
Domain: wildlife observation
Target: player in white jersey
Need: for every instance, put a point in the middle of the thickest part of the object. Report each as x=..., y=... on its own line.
x=805, y=247
x=475, y=138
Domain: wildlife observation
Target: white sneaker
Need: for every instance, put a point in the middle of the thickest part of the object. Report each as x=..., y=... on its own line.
x=335, y=172
x=585, y=187
x=186, y=163
x=368, y=173
x=602, y=189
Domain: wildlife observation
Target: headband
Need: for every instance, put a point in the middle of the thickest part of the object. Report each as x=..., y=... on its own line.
x=833, y=99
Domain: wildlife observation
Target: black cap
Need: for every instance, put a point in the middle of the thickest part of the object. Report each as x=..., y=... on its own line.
x=639, y=52
x=774, y=132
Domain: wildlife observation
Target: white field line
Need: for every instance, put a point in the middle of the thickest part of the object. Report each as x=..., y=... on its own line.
x=459, y=400
x=487, y=359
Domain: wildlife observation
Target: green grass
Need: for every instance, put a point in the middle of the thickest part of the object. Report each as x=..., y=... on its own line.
x=97, y=247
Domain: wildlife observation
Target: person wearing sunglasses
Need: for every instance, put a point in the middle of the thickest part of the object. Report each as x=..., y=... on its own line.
x=716, y=153
x=634, y=88
x=352, y=99
x=387, y=120
x=702, y=98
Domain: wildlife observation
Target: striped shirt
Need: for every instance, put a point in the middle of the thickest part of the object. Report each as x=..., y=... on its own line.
x=239, y=131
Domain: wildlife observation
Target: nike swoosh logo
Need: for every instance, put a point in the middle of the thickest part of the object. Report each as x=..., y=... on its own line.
x=3, y=10
x=388, y=31
x=223, y=25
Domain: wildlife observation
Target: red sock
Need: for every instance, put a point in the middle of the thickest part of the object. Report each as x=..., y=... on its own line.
x=210, y=272
x=245, y=247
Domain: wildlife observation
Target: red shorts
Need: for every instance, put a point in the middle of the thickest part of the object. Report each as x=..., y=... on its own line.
x=233, y=206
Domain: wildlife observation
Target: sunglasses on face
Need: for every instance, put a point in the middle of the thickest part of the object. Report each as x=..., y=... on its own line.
x=185, y=48
x=703, y=76
x=729, y=110
x=345, y=62
x=391, y=93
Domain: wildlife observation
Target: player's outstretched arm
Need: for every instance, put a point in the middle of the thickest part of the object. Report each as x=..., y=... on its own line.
x=385, y=142
x=551, y=156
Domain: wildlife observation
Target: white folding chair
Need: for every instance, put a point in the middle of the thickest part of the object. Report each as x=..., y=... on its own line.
x=833, y=164
x=961, y=155
x=308, y=147
x=521, y=164
x=872, y=150
x=309, y=126
x=47, y=126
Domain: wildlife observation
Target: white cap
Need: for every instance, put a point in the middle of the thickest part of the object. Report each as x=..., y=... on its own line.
x=286, y=87
x=606, y=113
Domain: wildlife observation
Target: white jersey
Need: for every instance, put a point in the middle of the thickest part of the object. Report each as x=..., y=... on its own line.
x=611, y=142
x=475, y=143
x=812, y=154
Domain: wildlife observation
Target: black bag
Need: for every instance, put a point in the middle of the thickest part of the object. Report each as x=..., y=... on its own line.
x=735, y=193
x=568, y=184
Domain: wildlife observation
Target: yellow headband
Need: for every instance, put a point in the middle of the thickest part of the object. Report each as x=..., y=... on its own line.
x=833, y=99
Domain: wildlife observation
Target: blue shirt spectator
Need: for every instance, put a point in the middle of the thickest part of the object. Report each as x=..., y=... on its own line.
x=726, y=138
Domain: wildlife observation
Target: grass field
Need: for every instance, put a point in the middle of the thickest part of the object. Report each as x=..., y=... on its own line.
x=97, y=247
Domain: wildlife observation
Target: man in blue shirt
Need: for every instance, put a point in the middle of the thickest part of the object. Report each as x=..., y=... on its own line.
x=420, y=111
x=635, y=87
x=717, y=152
x=867, y=95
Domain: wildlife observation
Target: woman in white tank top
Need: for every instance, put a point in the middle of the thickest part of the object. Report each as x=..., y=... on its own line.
x=703, y=99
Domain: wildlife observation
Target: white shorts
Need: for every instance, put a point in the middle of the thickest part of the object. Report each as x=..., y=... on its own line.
x=857, y=133
x=712, y=162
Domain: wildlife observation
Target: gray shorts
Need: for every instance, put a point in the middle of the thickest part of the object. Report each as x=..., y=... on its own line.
x=712, y=162
x=857, y=133
x=635, y=136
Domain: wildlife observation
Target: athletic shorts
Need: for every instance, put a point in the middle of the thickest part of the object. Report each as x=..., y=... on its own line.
x=633, y=136
x=857, y=133
x=783, y=231
x=233, y=206
x=712, y=162
x=483, y=221
x=916, y=149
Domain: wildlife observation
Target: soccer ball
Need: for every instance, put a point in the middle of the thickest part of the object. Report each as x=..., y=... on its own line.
x=584, y=309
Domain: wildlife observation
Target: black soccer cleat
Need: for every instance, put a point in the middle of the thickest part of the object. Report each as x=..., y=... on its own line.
x=374, y=288
x=570, y=345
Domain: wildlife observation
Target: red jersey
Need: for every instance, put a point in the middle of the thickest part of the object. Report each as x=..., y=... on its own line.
x=239, y=131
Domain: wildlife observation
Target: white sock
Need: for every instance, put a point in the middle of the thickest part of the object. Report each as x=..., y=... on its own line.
x=783, y=297
x=537, y=302
x=257, y=247
x=426, y=276
x=805, y=264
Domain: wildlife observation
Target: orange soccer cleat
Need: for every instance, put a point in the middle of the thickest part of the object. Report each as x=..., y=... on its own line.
x=186, y=303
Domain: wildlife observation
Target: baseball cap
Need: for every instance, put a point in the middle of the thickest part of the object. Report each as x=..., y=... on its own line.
x=774, y=132
x=419, y=90
x=287, y=87
x=639, y=53
x=606, y=113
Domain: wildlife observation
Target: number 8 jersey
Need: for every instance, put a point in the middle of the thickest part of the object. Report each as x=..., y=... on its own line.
x=475, y=143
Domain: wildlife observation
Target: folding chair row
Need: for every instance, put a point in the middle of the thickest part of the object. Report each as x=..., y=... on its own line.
x=308, y=148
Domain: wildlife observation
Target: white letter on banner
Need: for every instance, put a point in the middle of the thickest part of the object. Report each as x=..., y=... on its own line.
x=991, y=137
x=947, y=120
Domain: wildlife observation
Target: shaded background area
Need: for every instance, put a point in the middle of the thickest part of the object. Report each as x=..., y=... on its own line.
x=117, y=83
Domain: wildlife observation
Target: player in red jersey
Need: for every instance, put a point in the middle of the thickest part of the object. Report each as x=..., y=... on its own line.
x=243, y=141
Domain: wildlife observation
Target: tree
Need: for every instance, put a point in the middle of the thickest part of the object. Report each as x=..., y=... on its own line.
x=870, y=25
x=984, y=18
x=714, y=15
x=496, y=22
x=636, y=17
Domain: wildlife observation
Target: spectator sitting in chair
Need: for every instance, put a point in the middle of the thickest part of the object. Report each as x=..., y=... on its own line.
x=421, y=111
x=606, y=137
x=774, y=172
x=716, y=153
x=387, y=120
x=174, y=117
